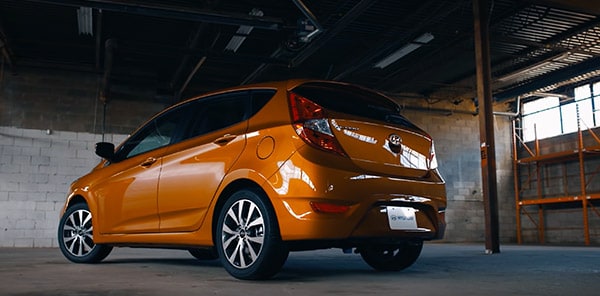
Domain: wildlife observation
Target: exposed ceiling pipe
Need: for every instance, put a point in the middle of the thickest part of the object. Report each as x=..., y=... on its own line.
x=98, y=38
x=538, y=94
x=439, y=111
x=545, y=94
x=278, y=52
x=189, y=78
x=5, y=51
x=340, y=25
x=6, y=54
x=173, y=12
x=511, y=114
x=196, y=68
x=311, y=17
x=194, y=41
x=109, y=47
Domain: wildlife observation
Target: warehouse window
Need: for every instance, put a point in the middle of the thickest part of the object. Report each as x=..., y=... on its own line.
x=552, y=116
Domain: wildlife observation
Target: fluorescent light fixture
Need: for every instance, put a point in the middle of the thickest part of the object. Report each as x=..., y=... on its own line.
x=525, y=72
x=242, y=32
x=406, y=49
x=84, y=21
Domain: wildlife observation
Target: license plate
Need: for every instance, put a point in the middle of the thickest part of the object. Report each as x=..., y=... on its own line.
x=402, y=218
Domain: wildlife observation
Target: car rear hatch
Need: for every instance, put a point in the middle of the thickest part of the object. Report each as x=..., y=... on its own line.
x=362, y=125
x=384, y=149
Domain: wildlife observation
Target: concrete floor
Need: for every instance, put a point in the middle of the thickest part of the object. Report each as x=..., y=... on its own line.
x=442, y=269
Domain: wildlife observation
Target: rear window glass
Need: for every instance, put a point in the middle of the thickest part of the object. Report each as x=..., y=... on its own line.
x=353, y=100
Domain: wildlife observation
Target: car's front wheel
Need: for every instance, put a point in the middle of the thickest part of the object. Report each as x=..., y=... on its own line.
x=75, y=236
x=392, y=257
x=247, y=237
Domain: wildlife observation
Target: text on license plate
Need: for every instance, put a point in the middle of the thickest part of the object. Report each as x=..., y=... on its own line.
x=402, y=218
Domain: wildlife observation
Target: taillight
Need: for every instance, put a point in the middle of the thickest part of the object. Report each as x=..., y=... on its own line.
x=323, y=207
x=312, y=125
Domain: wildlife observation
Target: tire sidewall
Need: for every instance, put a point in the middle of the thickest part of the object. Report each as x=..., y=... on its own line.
x=97, y=253
x=273, y=253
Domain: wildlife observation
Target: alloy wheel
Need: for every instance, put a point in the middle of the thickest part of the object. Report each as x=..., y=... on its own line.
x=77, y=233
x=243, y=233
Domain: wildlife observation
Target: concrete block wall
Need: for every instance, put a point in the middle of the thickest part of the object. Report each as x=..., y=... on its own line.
x=49, y=122
x=36, y=170
x=456, y=139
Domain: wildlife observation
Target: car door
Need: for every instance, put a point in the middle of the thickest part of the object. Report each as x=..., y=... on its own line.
x=194, y=168
x=127, y=198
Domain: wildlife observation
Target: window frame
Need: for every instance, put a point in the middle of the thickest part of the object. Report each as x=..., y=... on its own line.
x=124, y=150
x=562, y=108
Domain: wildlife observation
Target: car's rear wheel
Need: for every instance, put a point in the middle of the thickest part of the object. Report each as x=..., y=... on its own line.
x=248, y=239
x=75, y=236
x=392, y=258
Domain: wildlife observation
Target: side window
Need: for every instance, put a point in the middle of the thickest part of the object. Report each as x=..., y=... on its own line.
x=212, y=114
x=260, y=99
x=159, y=132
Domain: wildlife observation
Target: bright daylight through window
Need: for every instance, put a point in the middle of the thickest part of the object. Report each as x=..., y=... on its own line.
x=552, y=116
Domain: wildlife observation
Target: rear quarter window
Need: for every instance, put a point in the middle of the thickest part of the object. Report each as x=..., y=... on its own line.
x=354, y=101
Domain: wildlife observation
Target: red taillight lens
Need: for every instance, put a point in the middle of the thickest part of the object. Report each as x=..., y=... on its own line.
x=323, y=207
x=303, y=109
x=312, y=125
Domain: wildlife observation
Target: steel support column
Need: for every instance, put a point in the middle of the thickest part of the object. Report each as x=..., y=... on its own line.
x=486, y=125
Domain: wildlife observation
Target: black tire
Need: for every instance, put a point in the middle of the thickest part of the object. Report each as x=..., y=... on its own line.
x=392, y=258
x=204, y=254
x=247, y=237
x=75, y=236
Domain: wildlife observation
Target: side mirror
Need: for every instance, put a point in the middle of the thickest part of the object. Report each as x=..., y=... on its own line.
x=105, y=150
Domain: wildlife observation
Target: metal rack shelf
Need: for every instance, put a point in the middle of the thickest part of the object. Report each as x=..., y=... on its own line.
x=535, y=162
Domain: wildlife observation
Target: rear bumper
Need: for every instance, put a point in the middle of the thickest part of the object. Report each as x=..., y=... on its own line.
x=300, y=182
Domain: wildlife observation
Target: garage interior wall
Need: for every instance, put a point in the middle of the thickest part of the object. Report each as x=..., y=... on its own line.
x=50, y=121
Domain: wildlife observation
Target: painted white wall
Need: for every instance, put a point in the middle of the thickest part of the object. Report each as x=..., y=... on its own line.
x=36, y=169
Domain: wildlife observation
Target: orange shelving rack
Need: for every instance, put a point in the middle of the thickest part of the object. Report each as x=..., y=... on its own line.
x=529, y=176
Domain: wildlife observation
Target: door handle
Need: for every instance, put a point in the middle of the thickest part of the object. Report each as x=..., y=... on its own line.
x=224, y=140
x=148, y=162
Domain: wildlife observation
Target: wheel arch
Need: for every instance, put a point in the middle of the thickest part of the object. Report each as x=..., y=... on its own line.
x=76, y=199
x=230, y=189
x=79, y=196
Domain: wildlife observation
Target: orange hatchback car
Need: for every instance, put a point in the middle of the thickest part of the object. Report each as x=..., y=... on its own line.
x=250, y=173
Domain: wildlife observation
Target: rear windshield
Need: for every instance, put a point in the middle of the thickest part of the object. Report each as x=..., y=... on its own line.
x=354, y=101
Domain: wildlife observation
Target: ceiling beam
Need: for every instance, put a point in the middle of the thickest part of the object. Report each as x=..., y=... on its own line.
x=539, y=45
x=385, y=46
x=553, y=43
x=583, y=6
x=174, y=12
x=317, y=43
x=549, y=79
